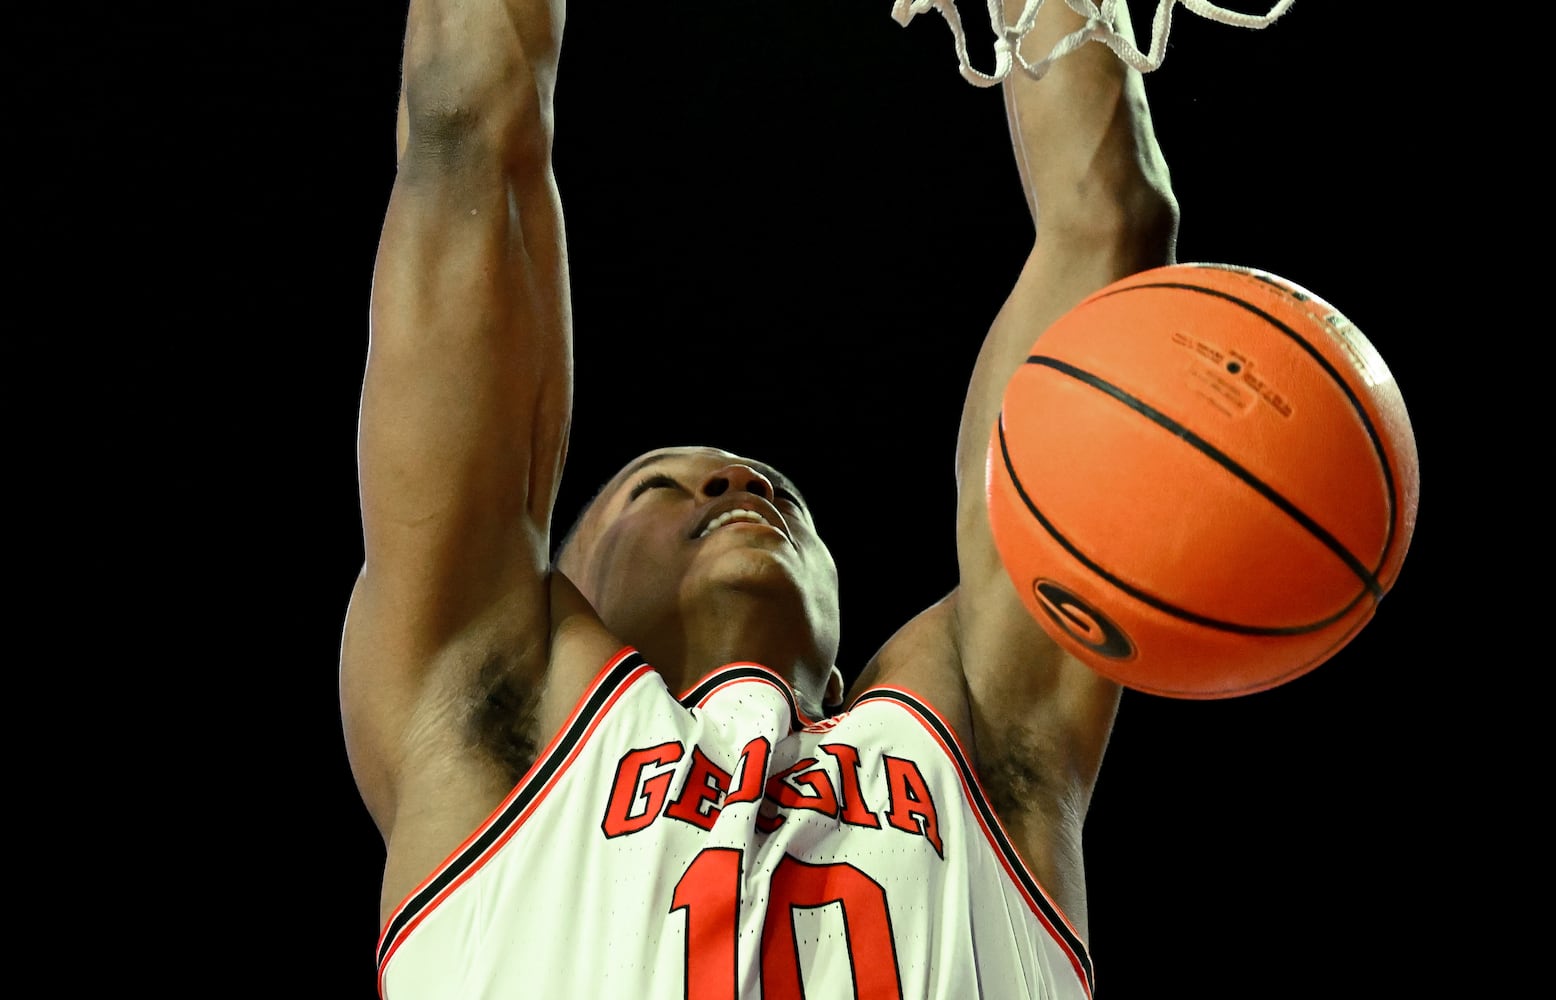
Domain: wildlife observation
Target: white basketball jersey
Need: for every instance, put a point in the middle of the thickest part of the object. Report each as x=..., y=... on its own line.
x=717, y=846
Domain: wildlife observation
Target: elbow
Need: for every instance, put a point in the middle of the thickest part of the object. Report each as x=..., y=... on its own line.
x=1133, y=222
x=1149, y=230
x=1113, y=196
x=459, y=110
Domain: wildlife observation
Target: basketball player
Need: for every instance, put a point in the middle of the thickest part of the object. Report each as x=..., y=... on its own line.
x=633, y=771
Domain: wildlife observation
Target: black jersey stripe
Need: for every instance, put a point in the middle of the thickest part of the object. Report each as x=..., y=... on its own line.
x=1321, y=534
x=706, y=686
x=1034, y=891
x=533, y=784
x=1374, y=434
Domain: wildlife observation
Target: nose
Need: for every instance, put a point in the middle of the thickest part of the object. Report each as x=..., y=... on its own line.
x=741, y=478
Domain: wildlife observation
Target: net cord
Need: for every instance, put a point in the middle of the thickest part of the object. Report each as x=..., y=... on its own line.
x=1101, y=26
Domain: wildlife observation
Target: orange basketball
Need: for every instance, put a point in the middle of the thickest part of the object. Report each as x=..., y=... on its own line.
x=1202, y=481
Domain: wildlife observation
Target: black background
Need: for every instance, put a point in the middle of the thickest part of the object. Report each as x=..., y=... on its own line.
x=790, y=224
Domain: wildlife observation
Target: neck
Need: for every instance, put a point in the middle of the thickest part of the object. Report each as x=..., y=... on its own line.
x=721, y=632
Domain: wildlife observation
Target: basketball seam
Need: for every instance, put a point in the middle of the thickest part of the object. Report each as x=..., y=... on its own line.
x=1222, y=459
x=1390, y=488
x=1143, y=596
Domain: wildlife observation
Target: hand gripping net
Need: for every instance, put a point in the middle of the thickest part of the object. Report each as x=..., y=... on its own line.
x=1101, y=25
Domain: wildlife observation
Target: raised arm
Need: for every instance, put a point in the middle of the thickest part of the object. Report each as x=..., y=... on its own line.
x=466, y=399
x=1102, y=206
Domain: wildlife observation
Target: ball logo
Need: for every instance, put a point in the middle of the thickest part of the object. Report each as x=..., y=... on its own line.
x=1088, y=626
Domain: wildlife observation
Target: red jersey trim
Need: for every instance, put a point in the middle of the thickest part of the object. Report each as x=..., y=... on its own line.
x=620, y=673
x=1038, y=900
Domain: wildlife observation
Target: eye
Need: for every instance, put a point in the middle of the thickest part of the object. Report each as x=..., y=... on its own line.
x=658, y=481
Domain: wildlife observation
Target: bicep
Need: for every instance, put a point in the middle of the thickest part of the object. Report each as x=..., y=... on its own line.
x=1047, y=287
x=468, y=385
x=1018, y=678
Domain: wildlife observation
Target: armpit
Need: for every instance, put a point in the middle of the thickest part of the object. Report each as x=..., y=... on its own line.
x=1016, y=767
x=502, y=717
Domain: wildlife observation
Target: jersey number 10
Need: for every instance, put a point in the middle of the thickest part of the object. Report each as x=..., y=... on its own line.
x=709, y=892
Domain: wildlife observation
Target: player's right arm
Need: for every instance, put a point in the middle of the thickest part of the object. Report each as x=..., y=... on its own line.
x=465, y=404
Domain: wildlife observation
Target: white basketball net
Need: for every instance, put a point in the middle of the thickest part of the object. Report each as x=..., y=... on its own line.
x=1101, y=24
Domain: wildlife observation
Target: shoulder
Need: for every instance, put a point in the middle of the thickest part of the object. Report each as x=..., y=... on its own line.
x=1032, y=720
x=480, y=725
x=922, y=658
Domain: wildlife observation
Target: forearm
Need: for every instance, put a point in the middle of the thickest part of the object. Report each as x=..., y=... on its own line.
x=1098, y=188
x=1084, y=142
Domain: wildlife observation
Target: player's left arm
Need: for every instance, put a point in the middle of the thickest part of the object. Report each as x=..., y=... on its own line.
x=1098, y=189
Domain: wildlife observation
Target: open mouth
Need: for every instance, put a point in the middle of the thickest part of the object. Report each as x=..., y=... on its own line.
x=743, y=509
x=732, y=516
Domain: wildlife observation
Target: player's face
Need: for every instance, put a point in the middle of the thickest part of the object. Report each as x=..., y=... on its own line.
x=677, y=522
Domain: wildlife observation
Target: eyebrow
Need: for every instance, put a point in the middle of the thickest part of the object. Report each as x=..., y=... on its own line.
x=641, y=463
x=777, y=478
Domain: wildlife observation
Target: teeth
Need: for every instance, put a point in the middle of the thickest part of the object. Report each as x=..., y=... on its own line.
x=732, y=515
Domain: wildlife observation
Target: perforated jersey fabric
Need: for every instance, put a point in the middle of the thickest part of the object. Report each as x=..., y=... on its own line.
x=719, y=845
